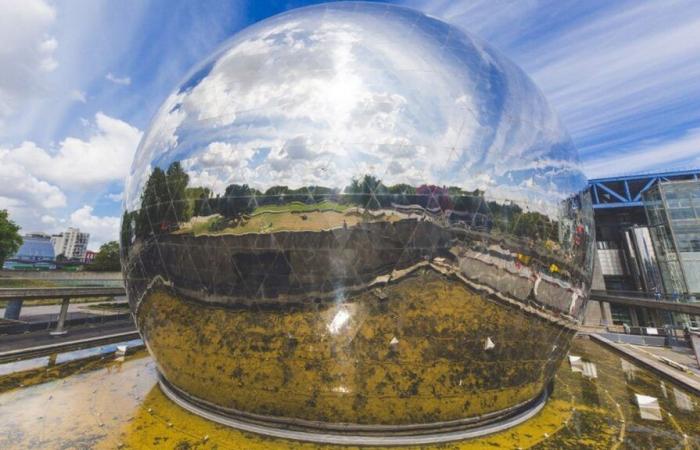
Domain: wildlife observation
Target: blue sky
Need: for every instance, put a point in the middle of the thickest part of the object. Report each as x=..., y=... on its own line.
x=81, y=80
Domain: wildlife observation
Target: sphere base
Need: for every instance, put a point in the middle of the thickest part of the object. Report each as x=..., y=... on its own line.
x=358, y=434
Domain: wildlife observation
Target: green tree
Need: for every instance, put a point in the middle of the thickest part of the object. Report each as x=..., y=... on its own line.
x=165, y=201
x=10, y=240
x=107, y=258
x=237, y=201
x=154, y=204
x=535, y=225
x=367, y=192
x=127, y=229
x=196, y=199
x=176, y=180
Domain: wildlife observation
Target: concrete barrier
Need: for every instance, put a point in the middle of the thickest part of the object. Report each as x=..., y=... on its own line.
x=59, y=275
x=635, y=339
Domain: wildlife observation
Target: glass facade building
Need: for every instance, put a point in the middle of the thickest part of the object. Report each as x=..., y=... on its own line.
x=673, y=211
x=36, y=252
x=646, y=236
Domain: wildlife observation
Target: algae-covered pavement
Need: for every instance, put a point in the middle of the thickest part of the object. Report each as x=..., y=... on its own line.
x=103, y=402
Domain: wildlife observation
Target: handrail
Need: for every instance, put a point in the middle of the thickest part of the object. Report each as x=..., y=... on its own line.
x=59, y=292
x=678, y=298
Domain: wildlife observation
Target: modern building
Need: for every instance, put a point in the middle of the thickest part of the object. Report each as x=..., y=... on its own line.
x=71, y=244
x=648, y=243
x=36, y=253
x=673, y=212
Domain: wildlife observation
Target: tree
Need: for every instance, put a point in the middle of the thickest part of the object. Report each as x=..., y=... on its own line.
x=127, y=229
x=10, y=240
x=276, y=195
x=196, y=199
x=367, y=192
x=154, y=203
x=535, y=226
x=176, y=180
x=165, y=201
x=434, y=197
x=107, y=258
x=237, y=201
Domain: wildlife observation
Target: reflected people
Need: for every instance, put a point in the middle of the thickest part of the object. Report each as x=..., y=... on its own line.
x=354, y=217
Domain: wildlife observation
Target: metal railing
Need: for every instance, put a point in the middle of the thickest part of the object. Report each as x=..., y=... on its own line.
x=679, y=298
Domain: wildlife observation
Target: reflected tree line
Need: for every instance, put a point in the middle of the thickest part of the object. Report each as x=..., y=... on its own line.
x=167, y=201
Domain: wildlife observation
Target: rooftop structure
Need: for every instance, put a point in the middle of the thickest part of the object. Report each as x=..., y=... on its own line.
x=626, y=191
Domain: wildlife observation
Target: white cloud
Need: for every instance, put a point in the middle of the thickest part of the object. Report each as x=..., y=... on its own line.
x=35, y=180
x=115, y=197
x=26, y=52
x=124, y=81
x=25, y=196
x=340, y=103
x=78, y=95
x=49, y=220
x=619, y=73
x=22, y=189
x=681, y=153
x=46, y=49
x=101, y=228
x=105, y=156
x=225, y=154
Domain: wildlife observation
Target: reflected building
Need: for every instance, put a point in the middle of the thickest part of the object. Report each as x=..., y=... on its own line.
x=358, y=219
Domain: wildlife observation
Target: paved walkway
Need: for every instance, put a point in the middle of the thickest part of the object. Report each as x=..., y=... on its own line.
x=689, y=379
x=680, y=355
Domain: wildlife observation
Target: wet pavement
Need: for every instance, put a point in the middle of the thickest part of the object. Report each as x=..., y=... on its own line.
x=92, y=399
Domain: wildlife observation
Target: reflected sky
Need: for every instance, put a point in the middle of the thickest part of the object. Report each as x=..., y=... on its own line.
x=323, y=94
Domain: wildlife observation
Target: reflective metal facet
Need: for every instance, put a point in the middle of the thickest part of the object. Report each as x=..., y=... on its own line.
x=357, y=217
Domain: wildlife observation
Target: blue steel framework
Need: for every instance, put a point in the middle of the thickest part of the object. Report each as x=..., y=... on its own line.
x=627, y=191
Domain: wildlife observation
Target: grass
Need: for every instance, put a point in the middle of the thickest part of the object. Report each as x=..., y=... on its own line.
x=295, y=216
x=25, y=283
x=111, y=306
x=299, y=207
x=199, y=227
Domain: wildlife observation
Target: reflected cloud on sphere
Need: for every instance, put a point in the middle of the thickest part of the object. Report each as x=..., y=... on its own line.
x=357, y=195
x=308, y=98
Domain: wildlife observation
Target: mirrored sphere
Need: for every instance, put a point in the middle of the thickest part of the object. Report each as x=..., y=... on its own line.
x=357, y=218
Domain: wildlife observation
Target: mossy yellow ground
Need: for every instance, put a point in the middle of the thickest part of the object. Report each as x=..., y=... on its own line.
x=419, y=356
